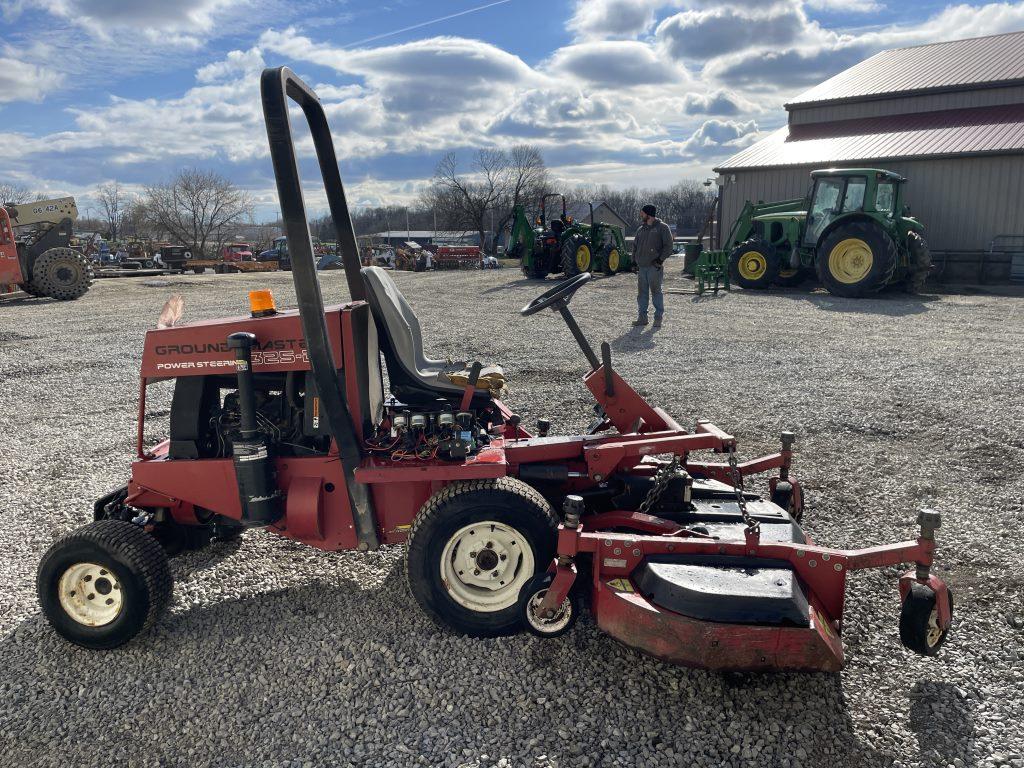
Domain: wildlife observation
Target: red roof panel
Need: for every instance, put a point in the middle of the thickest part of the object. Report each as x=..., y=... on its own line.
x=922, y=134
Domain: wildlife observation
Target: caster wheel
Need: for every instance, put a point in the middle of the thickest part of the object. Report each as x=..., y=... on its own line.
x=919, y=621
x=104, y=583
x=530, y=598
x=783, y=497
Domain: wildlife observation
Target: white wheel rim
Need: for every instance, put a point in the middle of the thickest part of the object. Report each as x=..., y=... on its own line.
x=484, y=565
x=90, y=594
x=934, y=632
x=556, y=623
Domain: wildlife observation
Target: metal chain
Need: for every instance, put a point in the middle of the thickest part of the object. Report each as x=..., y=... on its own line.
x=753, y=526
x=661, y=480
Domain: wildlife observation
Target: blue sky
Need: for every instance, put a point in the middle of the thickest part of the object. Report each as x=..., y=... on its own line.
x=623, y=92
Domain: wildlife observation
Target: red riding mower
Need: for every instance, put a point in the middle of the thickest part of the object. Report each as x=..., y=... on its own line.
x=279, y=421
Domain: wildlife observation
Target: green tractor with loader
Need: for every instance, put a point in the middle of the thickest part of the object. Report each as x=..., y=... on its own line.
x=566, y=246
x=852, y=229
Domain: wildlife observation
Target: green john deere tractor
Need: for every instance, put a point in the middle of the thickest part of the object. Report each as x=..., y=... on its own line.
x=566, y=246
x=851, y=230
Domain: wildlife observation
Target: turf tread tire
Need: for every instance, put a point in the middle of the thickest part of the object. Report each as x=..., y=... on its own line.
x=127, y=546
x=431, y=517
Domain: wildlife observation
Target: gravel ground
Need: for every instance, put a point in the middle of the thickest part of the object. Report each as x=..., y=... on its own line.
x=276, y=654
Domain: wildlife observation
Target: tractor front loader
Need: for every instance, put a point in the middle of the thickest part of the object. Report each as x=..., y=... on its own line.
x=36, y=253
x=283, y=420
x=850, y=229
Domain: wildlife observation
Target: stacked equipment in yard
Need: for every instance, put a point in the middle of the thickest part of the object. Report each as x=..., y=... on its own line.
x=36, y=253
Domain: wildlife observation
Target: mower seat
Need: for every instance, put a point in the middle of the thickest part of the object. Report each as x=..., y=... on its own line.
x=415, y=378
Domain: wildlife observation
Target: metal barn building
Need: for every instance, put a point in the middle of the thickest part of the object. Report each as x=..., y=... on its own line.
x=947, y=116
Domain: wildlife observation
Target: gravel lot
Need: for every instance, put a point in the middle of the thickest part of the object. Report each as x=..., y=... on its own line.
x=276, y=654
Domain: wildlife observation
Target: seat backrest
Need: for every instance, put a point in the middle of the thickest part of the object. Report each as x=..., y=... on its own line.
x=402, y=324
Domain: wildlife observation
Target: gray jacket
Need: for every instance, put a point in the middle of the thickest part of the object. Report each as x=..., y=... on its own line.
x=653, y=242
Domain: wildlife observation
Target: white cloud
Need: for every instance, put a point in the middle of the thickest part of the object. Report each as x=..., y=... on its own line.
x=611, y=19
x=183, y=22
x=21, y=81
x=617, y=63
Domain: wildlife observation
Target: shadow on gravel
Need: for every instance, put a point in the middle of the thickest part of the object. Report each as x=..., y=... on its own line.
x=943, y=720
x=891, y=304
x=335, y=673
x=522, y=282
x=634, y=340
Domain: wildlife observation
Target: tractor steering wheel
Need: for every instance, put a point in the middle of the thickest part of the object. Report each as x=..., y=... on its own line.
x=560, y=294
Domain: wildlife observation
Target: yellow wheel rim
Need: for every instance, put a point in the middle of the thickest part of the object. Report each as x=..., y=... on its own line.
x=583, y=258
x=850, y=260
x=613, y=260
x=753, y=265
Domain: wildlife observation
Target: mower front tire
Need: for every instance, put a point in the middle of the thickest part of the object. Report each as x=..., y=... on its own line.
x=919, y=620
x=102, y=584
x=473, y=547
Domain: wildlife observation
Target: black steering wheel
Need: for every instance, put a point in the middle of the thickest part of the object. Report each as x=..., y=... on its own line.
x=561, y=293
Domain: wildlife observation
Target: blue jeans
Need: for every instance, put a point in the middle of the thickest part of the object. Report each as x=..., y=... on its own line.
x=649, y=282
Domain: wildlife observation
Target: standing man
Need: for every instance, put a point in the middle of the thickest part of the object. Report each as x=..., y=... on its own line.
x=651, y=246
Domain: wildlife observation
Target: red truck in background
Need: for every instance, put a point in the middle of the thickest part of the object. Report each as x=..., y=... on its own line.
x=237, y=252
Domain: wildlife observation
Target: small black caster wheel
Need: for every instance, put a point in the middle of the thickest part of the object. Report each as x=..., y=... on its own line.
x=530, y=598
x=102, y=584
x=919, y=621
x=783, y=497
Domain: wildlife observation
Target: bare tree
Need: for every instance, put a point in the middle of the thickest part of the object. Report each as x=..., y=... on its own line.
x=114, y=204
x=195, y=205
x=527, y=180
x=12, y=194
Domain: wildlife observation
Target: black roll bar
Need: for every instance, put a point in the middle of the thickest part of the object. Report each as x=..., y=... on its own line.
x=277, y=86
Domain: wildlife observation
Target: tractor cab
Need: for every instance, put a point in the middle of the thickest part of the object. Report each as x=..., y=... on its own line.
x=839, y=191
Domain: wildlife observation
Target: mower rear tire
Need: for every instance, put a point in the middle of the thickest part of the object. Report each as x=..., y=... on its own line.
x=61, y=273
x=472, y=548
x=783, y=497
x=102, y=584
x=753, y=264
x=919, y=628
x=530, y=598
x=856, y=259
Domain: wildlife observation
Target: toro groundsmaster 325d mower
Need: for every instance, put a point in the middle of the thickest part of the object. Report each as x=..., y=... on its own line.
x=279, y=420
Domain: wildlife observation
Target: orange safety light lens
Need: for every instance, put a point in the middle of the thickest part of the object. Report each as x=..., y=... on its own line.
x=261, y=303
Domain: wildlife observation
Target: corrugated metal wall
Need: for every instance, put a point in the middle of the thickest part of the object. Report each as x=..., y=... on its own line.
x=963, y=202
x=904, y=105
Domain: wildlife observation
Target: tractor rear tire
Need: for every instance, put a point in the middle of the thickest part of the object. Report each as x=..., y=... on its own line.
x=103, y=583
x=576, y=256
x=61, y=273
x=856, y=259
x=472, y=548
x=920, y=262
x=753, y=264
